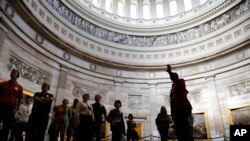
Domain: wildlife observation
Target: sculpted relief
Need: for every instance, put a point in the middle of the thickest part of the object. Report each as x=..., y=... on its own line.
x=28, y=72
x=79, y=91
x=150, y=41
x=135, y=102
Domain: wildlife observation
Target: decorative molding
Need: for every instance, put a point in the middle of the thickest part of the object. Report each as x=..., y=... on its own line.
x=194, y=97
x=9, y=10
x=29, y=72
x=79, y=91
x=66, y=56
x=2, y=38
x=149, y=41
x=39, y=39
x=135, y=102
x=242, y=88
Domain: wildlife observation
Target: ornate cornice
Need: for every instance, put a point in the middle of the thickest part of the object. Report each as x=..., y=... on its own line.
x=197, y=30
x=216, y=44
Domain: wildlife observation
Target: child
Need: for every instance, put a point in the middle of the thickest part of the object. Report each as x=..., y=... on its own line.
x=131, y=133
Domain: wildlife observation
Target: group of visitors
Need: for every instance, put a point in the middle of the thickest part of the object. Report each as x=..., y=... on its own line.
x=83, y=120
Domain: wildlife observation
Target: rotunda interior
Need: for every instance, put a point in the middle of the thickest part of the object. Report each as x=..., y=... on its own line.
x=119, y=49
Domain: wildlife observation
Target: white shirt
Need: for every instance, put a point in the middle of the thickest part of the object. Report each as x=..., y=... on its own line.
x=84, y=108
x=23, y=113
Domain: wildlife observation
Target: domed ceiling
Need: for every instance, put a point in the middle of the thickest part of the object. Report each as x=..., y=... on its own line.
x=196, y=30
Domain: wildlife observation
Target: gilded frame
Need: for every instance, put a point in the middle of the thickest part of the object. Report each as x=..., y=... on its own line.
x=239, y=114
x=201, y=128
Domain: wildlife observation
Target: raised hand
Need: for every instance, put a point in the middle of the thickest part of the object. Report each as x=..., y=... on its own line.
x=168, y=69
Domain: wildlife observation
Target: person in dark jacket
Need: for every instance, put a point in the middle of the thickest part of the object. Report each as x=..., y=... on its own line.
x=162, y=122
x=131, y=133
x=39, y=117
x=115, y=118
x=100, y=117
x=181, y=109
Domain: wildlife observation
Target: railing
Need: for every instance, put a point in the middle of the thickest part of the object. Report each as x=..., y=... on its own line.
x=152, y=138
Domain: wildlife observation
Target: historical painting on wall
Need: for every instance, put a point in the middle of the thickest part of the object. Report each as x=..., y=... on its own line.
x=240, y=115
x=200, y=127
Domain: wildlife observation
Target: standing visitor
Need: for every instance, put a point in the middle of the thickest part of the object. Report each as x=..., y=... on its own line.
x=85, y=119
x=181, y=109
x=72, y=122
x=131, y=133
x=162, y=122
x=22, y=117
x=59, y=125
x=100, y=117
x=115, y=118
x=39, y=117
x=11, y=94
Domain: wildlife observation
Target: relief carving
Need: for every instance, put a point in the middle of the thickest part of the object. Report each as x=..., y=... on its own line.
x=78, y=91
x=150, y=41
x=28, y=72
x=239, y=89
x=135, y=102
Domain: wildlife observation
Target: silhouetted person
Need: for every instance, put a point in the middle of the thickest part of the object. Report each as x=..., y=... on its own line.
x=181, y=109
x=115, y=118
x=11, y=94
x=72, y=122
x=162, y=122
x=39, y=117
x=100, y=117
x=131, y=133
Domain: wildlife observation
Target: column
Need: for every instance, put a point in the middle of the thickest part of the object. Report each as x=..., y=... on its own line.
x=4, y=29
x=4, y=50
x=118, y=90
x=152, y=9
x=127, y=8
x=180, y=6
x=195, y=3
x=102, y=3
x=153, y=110
x=166, y=8
x=115, y=6
x=61, y=87
x=140, y=9
x=215, y=105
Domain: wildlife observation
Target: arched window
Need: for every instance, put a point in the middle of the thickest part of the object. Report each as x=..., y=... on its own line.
x=121, y=5
x=173, y=8
x=109, y=5
x=146, y=12
x=159, y=10
x=133, y=10
x=96, y=3
x=188, y=4
x=202, y=1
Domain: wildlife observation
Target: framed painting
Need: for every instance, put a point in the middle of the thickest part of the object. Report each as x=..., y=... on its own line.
x=239, y=115
x=200, y=127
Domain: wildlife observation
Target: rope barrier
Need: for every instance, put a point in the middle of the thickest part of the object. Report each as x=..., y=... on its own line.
x=152, y=136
